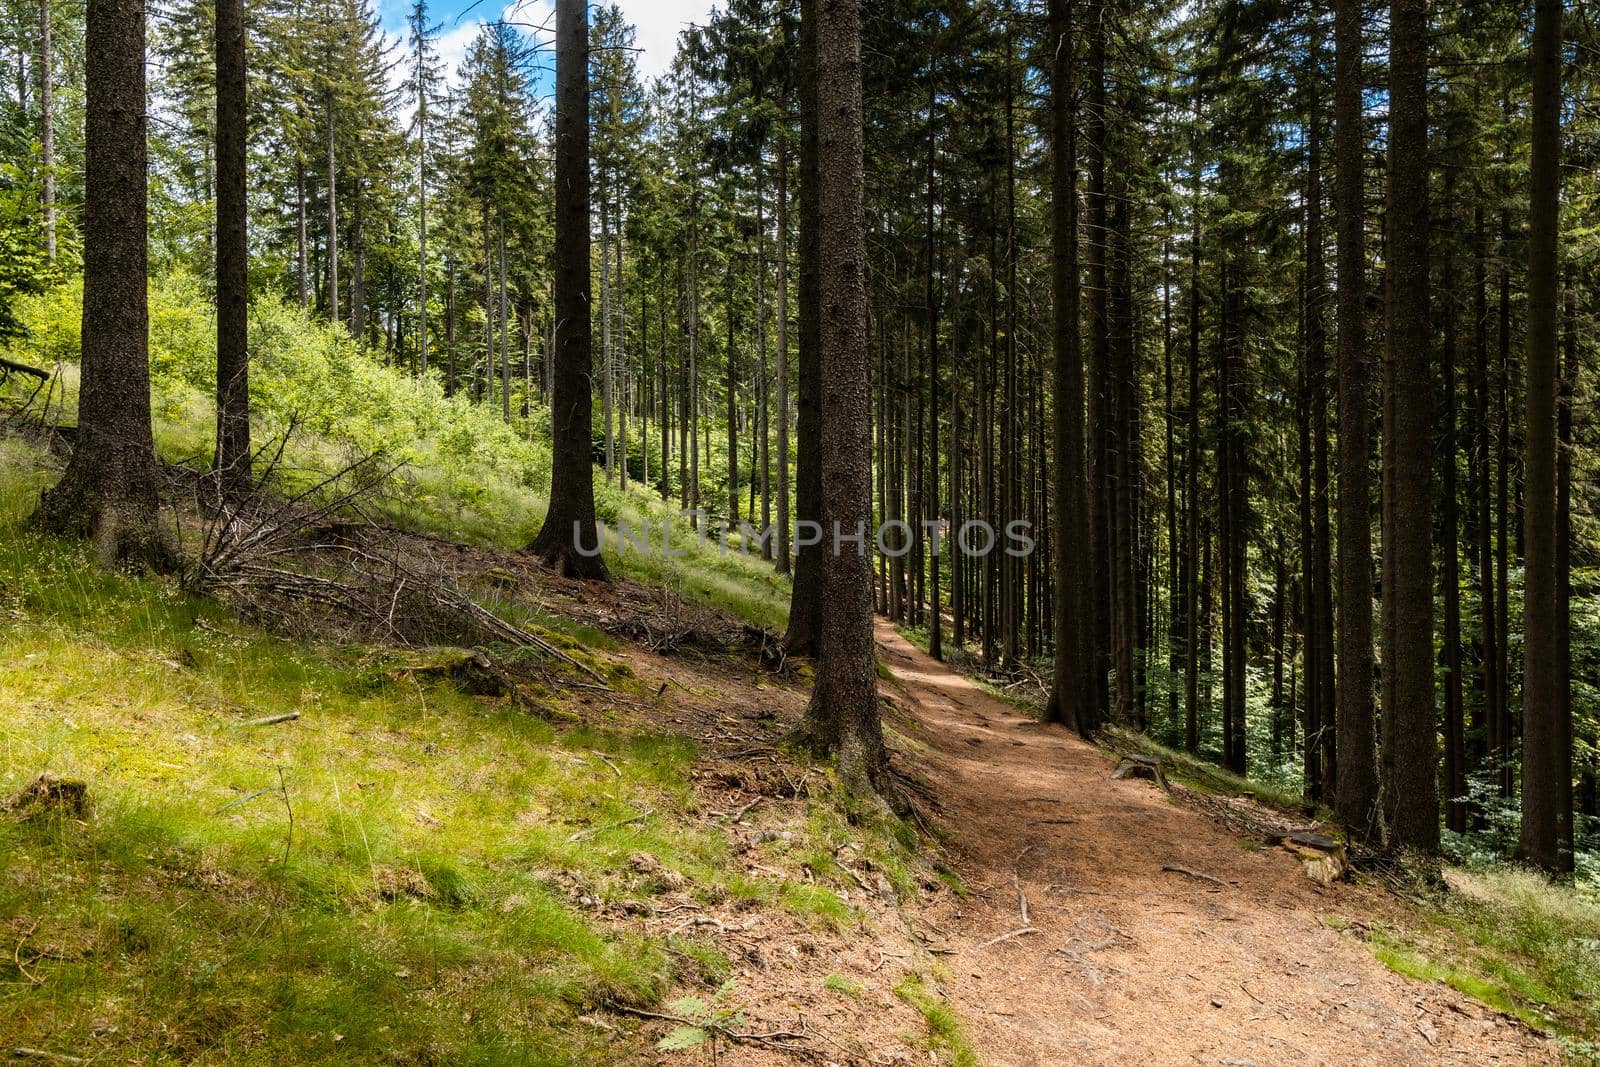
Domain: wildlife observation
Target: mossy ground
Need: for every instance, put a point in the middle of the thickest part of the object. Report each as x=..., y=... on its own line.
x=391, y=877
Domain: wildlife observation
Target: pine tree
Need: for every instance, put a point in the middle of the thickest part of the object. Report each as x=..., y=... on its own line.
x=109, y=492
x=1547, y=754
x=569, y=540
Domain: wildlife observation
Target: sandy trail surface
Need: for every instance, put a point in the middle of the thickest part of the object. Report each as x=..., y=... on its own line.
x=1129, y=961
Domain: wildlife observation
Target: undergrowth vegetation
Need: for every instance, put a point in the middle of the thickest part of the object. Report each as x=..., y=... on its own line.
x=463, y=473
x=402, y=874
x=1508, y=938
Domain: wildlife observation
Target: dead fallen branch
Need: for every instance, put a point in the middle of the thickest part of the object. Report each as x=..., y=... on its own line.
x=783, y=1040
x=1204, y=877
x=591, y=831
x=1008, y=936
x=8, y=367
x=41, y=1054
x=273, y=720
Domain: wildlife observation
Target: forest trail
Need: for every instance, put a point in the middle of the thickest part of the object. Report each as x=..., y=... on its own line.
x=1132, y=962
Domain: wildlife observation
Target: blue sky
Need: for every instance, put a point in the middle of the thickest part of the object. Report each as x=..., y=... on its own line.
x=657, y=21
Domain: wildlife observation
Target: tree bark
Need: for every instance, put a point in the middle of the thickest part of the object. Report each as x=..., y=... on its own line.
x=805, y=605
x=1356, y=790
x=109, y=492
x=1546, y=760
x=842, y=717
x=782, y=213
x=569, y=540
x=1410, y=747
x=333, y=211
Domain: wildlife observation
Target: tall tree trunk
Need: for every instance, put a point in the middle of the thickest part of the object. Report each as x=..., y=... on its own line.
x=958, y=560
x=1410, y=745
x=1455, y=771
x=1505, y=771
x=842, y=716
x=1483, y=465
x=620, y=343
x=569, y=540
x=1011, y=421
x=47, y=132
x=358, y=266
x=1546, y=753
x=503, y=306
x=664, y=385
x=805, y=604
x=932, y=297
x=450, y=324
x=1176, y=586
x=1356, y=792
x=782, y=212
x=1564, y=444
x=109, y=492
x=422, y=193
x=333, y=209
x=302, y=267
x=1194, y=588
x=1097, y=384
x=1123, y=459
x=1318, y=720
x=731, y=367
x=762, y=455
x=1321, y=572
x=232, y=457
x=608, y=372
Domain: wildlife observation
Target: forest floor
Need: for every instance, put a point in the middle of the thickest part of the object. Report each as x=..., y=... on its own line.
x=636, y=871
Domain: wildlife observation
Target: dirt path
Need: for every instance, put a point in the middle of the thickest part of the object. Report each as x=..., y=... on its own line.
x=1132, y=964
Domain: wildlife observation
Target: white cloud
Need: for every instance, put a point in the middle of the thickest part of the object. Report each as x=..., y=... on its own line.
x=658, y=23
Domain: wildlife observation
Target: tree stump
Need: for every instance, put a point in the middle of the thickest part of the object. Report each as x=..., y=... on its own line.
x=48, y=795
x=468, y=670
x=1324, y=857
x=1140, y=766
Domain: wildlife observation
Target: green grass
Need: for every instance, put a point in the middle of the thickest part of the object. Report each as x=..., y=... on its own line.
x=845, y=987
x=421, y=904
x=1512, y=940
x=427, y=904
x=946, y=1037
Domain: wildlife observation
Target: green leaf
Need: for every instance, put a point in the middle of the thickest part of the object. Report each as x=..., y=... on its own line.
x=690, y=1006
x=684, y=1037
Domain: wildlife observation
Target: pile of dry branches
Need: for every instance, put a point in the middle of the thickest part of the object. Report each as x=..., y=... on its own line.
x=313, y=563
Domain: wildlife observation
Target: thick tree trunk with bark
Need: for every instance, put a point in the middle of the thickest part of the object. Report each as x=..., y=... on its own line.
x=1356, y=788
x=1072, y=698
x=569, y=540
x=1097, y=384
x=842, y=717
x=1546, y=739
x=1410, y=745
x=805, y=604
x=109, y=492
